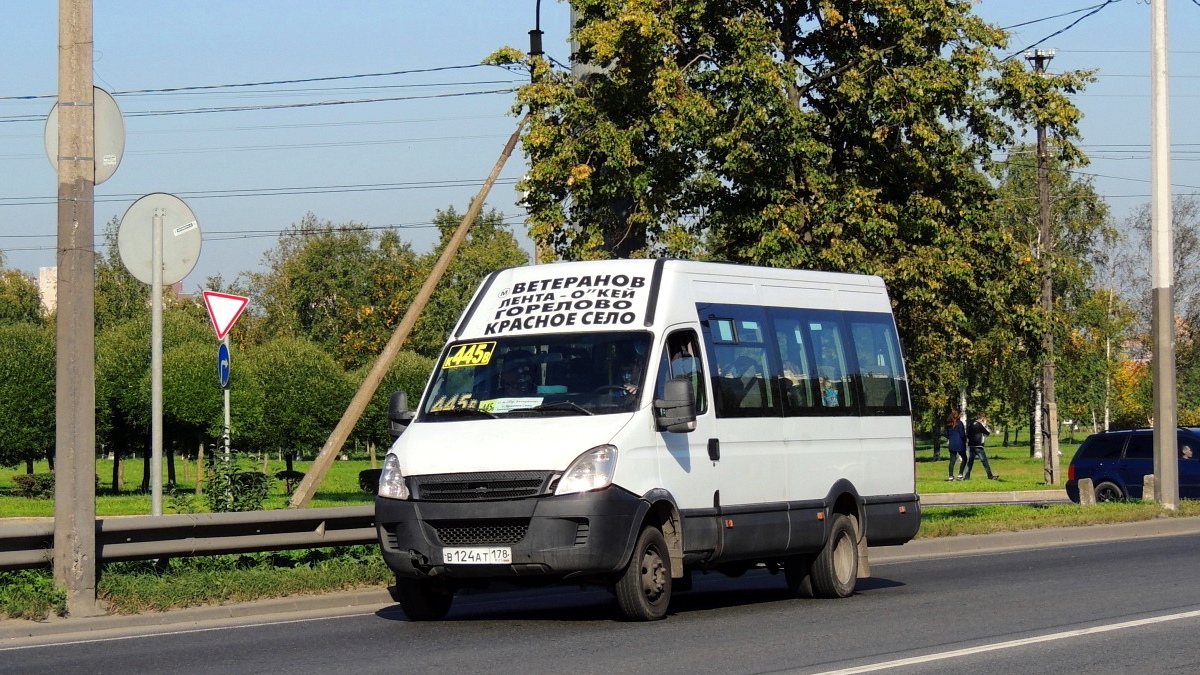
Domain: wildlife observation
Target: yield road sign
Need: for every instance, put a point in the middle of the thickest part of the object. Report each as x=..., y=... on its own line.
x=223, y=310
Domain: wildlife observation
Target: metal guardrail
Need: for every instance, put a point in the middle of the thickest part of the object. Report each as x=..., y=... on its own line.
x=26, y=543
x=29, y=543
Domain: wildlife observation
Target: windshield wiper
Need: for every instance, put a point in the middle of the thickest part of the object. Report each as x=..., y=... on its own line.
x=559, y=406
x=461, y=412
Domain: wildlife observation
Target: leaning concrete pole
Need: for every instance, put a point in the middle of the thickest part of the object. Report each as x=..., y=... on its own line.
x=75, y=370
x=316, y=473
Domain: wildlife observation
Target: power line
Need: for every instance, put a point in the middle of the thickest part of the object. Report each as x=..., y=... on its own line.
x=507, y=220
x=129, y=92
x=1094, y=10
x=1056, y=16
x=280, y=106
x=273, y=192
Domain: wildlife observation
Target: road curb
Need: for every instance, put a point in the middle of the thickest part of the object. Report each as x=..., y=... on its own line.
x=1014, y=496
x=18, y=628
x=970, y=544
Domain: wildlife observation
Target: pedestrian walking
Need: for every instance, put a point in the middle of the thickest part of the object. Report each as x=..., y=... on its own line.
x=977, y=435
x=956, y=443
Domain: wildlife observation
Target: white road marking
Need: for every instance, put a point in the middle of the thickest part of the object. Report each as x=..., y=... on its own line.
x=954, y=654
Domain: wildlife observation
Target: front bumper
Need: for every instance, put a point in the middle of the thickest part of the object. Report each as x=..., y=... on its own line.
x=563, y=537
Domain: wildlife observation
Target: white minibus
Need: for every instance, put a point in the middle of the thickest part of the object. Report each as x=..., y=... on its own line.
x=628, y=423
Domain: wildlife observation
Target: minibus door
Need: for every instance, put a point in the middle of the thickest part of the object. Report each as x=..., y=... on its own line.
x=687, y=469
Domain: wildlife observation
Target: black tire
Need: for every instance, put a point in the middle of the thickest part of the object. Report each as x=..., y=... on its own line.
x=423, y=600
x=835, y=570
x=1107, y=491
x=644, y=588
x=797, y=571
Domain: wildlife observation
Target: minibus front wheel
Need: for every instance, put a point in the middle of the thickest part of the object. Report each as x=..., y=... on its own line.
x=644, y=589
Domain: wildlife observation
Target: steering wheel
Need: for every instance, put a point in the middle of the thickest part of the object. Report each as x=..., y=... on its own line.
x=609, y=389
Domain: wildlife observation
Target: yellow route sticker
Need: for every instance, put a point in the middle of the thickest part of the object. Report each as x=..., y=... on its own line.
x=469, y=354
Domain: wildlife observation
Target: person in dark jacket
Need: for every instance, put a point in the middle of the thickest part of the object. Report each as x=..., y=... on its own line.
x=956, y=442
x=977, y=435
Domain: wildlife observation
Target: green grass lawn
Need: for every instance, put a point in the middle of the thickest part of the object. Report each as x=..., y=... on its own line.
x=340, y=488
x=1012, y=463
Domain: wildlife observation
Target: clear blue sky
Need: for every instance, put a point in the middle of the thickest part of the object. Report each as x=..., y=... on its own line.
x=249, y=174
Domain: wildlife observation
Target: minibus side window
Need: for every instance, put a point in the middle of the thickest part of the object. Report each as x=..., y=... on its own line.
x=737, y=344
x=880, y=367
x=816, y=366
x=681, y=359
x=833, y=370
x=798, y=381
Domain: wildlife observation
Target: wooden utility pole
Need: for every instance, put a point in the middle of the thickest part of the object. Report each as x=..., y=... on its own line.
x=1050, y=463
x=316, y=472
x=75, y=398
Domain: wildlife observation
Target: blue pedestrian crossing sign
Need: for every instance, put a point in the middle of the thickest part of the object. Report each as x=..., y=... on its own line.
x=223, y=365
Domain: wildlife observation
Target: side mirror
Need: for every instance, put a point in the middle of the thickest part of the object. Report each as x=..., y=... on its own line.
x=676, y=410
x=398, y=414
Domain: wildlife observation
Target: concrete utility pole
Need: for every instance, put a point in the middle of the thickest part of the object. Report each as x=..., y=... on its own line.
x=75, y=372
x=1039, y=58
x=1166, y=467
x=316, y=472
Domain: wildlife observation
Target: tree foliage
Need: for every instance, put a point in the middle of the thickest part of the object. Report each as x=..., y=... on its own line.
x=120, y=297
x=27, y=398
x=302, y=392
x=19, y=300
x=830, y=135
x=339, y=286
x=489, y=246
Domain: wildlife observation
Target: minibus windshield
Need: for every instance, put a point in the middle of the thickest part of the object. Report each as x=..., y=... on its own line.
x=530, y=375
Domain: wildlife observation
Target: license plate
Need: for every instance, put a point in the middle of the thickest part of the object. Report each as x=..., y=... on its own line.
x=477, y=555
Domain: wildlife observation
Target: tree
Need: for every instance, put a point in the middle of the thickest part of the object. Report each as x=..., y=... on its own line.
x=338, y=286
x=1132, y=277
x=27, y=399
x=834, y=135
x=19, y=301
x=123, y=382
x=302, y=391
x=408, y=373
x=1008, y=367
x=489, y=246
x=120, y=296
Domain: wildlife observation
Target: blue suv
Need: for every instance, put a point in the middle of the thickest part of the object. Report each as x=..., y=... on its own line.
x=1117, y=461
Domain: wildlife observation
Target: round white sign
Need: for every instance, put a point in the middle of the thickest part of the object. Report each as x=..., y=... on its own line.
x=180, y=238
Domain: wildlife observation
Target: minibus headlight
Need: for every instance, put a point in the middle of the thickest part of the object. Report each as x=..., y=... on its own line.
x=391, y=480
x=590, y=471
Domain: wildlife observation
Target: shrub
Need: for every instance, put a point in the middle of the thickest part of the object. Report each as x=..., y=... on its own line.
x=368, y=480
x=30, y=594
x=33, y=485
x=235, y=489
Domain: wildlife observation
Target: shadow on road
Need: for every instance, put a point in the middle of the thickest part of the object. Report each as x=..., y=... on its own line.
x=710, y=592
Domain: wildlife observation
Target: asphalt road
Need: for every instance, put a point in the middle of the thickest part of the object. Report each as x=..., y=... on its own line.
x=1111, y=607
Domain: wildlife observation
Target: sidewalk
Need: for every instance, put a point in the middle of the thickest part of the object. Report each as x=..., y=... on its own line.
x=1014, y=497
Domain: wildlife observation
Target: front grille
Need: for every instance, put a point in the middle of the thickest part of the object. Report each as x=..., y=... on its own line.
x=479, y=487
x=472, y=533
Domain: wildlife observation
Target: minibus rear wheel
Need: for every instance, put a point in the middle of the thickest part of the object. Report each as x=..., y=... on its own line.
x=423, y=600
x=835, y=570
x=644, y=588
